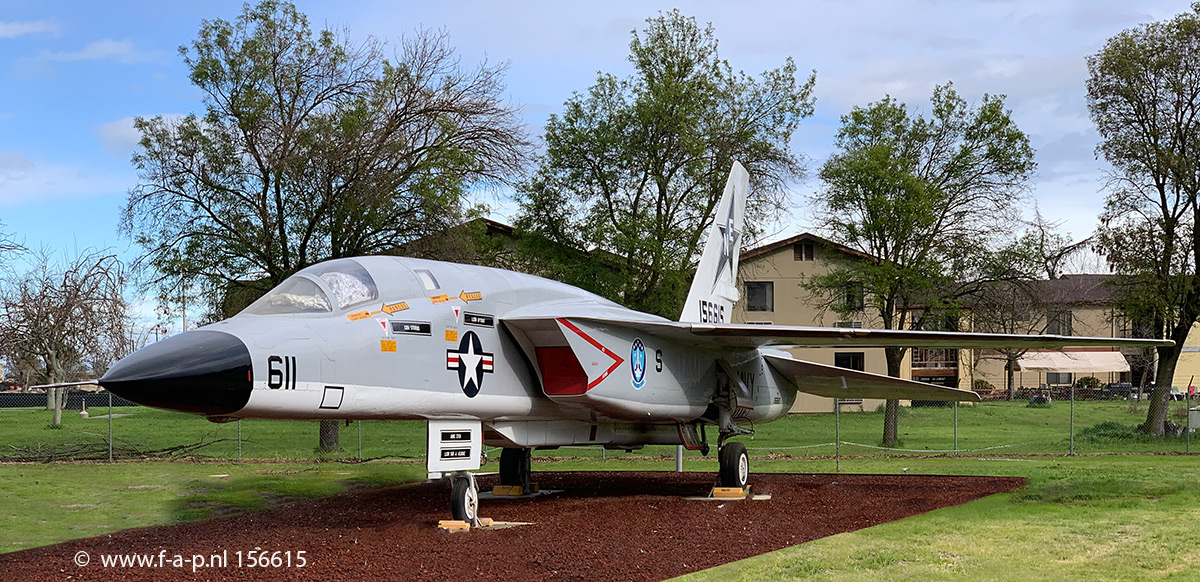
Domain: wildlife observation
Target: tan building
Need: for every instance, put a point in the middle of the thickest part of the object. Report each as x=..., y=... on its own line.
x=1078, y=305
x=771, y=279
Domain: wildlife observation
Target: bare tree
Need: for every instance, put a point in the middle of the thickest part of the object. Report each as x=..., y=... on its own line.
x=62, y=322
x=1030, y=300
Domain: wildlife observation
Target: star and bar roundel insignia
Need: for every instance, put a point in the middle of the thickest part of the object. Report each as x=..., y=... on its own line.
x=471, y=362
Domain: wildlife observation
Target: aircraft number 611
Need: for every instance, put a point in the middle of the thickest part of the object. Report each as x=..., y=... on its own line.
x=281, y=372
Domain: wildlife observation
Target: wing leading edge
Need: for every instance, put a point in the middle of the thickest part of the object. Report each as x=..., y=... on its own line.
x=834, y=382
x=752, y=336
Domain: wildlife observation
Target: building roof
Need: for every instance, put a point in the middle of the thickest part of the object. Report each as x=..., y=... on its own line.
x=802, y=237
x=1075, y=289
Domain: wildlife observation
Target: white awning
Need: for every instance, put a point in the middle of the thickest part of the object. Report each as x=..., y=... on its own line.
x=1073, y=362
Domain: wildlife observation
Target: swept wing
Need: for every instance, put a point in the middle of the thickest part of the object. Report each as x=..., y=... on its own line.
x=753, y=336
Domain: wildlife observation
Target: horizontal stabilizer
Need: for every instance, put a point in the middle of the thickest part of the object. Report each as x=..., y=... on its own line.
x=834, y=382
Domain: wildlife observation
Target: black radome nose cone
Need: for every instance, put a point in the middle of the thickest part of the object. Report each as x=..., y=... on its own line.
x=202, y=371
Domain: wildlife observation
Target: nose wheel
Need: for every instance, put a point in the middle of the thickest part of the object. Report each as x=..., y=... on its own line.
x=735, y=465
x=464, y=498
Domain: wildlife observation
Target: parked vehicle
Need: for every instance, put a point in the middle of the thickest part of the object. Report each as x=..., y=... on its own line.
x=1117, y=390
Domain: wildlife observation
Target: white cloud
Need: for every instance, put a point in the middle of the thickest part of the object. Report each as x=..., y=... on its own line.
x=119, y=51
x=120, y=138
x=24, y=180
x=13, y=163
x=16, y=29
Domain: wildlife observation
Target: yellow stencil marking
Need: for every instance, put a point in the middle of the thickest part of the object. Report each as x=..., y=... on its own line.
x=470, y=296
x=439, y=298
x=387, y=345
x=359, y=315
x=452, y=335
x=391, y=308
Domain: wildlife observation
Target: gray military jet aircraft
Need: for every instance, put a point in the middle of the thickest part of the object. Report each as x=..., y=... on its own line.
x=510, y=360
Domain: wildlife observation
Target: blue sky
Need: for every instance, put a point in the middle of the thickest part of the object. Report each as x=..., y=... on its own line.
x=74, y=74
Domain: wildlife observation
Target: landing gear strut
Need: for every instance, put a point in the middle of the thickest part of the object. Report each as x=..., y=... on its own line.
x=734, y=463
x=464, y=498
x=516, y=468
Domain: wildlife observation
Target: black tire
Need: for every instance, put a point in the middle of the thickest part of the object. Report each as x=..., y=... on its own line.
x=735, y=465
x=464, y=500
x=514, y=466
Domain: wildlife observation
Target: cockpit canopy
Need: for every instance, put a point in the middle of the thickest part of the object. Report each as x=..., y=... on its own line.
x=321, y=288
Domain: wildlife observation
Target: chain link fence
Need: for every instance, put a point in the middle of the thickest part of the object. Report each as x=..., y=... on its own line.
x=100, y=426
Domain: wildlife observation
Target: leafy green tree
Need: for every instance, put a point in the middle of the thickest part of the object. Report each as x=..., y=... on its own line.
x=634, y=167
x=922, y=196
x=1144, y=97
x=311, y=147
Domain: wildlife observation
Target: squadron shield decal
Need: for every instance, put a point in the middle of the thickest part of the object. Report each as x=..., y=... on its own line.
x=471, y=362
x=637, y=364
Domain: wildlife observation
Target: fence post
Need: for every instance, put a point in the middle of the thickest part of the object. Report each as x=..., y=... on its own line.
x=837, y=435
x=1072, y=420
x=678, y=458
x=110, y=446
x=360, y=441
x=239, y=439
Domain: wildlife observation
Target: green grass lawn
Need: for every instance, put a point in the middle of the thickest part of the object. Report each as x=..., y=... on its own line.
x=1080, y=518
x=1105, y=515
x=54, y=502
x=985, y=429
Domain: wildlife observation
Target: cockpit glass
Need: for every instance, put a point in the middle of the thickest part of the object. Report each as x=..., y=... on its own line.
x=349, y=282
x=295, y=295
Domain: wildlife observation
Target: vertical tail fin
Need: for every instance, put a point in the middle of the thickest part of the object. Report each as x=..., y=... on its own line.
x=714, y=290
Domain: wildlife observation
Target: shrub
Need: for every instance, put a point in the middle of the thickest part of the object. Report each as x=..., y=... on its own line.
x=1110, y=431
x=1088, y=382
x=982, y=385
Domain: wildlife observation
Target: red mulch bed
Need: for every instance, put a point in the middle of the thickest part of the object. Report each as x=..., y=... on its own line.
x=602, y=526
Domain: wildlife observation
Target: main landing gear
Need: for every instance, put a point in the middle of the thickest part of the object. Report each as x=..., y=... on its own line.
x=516, y=471
x=734, y=462
x=735, y=465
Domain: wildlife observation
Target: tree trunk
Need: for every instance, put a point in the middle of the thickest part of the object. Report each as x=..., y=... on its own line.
x=1160, y=397
x=60, y=399
x=891, y=423
x=1011, y=380
x=51, y=394
x=329, y=437
x=891, y=409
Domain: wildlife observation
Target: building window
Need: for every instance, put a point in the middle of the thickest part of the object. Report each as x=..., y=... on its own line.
x=803, y=251
x=1058, y=378
x=853, y=300
x=760, y=296
x=849, y=324
x=849, y=360
x=1058, y=322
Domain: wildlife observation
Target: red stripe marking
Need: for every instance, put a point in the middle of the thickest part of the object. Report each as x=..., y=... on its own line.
x=617, y=360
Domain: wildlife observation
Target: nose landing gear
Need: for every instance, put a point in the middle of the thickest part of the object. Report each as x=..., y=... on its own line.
x=464, y=498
